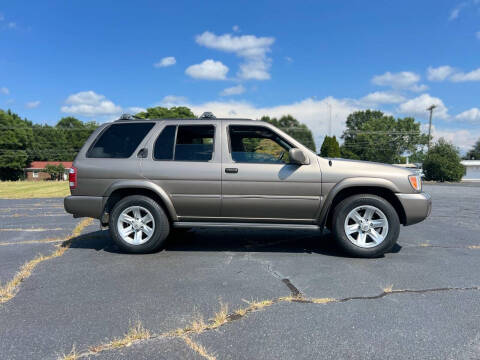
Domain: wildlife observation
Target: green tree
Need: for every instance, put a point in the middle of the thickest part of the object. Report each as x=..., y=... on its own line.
x=15, y=136
x=346, y=153
x=474, y=154
x=294, y=128
x=51, y=170
x=374, y=136
x=442, y=162
x=330, y=147
x=176, y=112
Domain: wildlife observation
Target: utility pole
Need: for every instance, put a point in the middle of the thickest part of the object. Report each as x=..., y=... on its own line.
x=430, y=125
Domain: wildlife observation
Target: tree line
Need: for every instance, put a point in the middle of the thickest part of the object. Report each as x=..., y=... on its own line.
x=369, y=135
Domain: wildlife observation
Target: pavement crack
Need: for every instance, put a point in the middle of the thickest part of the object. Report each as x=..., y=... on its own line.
x=9, y=290
x=221, y=318
x=295, y=292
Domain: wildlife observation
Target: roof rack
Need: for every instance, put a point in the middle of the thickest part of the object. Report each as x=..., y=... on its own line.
x=207, y=115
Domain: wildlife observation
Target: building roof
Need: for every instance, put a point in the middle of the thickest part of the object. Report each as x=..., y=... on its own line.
x=41, y=164
x=470, y=162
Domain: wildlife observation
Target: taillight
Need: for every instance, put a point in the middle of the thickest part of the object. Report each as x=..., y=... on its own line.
x=72, y=177
x=416, y=182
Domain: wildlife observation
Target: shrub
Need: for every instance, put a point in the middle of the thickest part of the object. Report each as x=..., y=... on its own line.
x=442, y=163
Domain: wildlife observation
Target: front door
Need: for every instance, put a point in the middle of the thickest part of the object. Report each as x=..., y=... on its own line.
x=186, y=163
x=260, y=184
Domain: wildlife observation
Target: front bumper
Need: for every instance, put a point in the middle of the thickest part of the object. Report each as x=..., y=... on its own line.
x=417, y=206
x=84, y=206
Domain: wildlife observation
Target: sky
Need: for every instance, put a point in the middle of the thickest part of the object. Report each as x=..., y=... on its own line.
x=316, y=60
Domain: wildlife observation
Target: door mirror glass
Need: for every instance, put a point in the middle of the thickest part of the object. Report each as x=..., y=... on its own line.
x=298, y=157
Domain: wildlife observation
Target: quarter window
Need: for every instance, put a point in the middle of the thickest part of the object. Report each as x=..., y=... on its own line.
x=119, y=140
x=257, y=144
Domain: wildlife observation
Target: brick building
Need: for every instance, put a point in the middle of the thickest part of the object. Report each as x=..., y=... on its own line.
x=36, y=170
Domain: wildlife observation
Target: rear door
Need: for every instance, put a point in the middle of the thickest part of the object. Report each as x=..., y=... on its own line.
x=185, y=160
x=258, y=181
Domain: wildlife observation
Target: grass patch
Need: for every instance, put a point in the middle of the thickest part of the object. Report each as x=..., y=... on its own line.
x=388, y=289
x=199, y=349
x=322, y=300
x=72, y=355
x=135, y=333
x=33, y=189
x=220, y=317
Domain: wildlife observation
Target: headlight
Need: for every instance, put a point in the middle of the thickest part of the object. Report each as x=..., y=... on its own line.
x=416, y=182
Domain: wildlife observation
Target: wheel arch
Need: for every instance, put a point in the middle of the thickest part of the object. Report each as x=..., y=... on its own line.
x=119, y=190
x=382, y=189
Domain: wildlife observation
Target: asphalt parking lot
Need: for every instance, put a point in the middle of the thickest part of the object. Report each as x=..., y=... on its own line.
x=261, y=294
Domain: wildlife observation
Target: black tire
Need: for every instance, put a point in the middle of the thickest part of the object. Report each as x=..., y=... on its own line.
x=343, y=209
x=161, y=230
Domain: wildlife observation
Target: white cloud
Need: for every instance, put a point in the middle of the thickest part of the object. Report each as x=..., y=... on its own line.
x=236, y=28
x=454, y=13
x=249, y=47
x=402, y=80
x=135, y=110
x=381, y=97
x=289, y=59
x=473, y=75
x=234, y=90
x=315, y=113
x=166, y=61
x=439, y=73
x=418, y=107
x=4, y=91
x=477, y=34
x=463, y=139
x=173, y=100
x=472, y=115
x=89, y=103
x=2, y=17
x=208, y=70
x=32, y=104
x=12, y=25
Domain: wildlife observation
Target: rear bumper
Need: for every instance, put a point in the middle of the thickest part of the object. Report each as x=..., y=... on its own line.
x=84, y=206
x=417, y=206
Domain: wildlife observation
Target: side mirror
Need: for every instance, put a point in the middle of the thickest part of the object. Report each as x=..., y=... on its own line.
x=298, y=157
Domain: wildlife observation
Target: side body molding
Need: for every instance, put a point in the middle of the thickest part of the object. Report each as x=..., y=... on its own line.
x=350, y=183
x=147, y=185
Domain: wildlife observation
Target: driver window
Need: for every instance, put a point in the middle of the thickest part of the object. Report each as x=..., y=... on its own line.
x=257, y=144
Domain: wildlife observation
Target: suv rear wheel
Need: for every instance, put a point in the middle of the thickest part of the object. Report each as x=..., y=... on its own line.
x=138, y=224
x=365, y=225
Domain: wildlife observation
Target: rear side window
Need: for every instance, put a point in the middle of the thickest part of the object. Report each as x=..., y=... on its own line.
x=119, y=141
x=192, y=143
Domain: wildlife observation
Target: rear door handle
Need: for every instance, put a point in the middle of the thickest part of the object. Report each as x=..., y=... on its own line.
x=231, y=170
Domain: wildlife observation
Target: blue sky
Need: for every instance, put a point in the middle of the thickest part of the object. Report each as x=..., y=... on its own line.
x=97, y=59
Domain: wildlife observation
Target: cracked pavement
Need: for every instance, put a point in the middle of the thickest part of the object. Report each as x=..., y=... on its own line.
x=93, y=293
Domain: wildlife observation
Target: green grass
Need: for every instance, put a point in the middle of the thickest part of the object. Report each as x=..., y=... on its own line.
x=33, y=189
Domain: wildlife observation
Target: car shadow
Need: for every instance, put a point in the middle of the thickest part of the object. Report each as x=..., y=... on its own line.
x=231, y=240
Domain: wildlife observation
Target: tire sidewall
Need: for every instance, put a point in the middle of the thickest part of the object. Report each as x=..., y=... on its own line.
x=344, y=207
x=162, y=226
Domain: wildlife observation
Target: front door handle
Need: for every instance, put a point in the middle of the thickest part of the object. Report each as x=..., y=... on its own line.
x=231, y=170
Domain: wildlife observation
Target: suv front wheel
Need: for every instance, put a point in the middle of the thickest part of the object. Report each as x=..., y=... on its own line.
x=365, y=225
x=138, y=224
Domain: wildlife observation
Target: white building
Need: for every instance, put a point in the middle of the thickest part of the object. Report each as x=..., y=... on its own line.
x=472, y=170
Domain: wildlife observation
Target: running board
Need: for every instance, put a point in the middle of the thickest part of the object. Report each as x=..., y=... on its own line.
x=201, y=224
